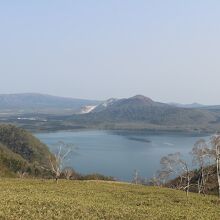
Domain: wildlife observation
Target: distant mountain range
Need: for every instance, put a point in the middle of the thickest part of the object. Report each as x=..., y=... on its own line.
x=142, y=112
x=32, y=102
x=46, y=112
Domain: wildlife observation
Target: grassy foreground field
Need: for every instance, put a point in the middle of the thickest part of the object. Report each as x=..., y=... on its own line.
x=44, y=199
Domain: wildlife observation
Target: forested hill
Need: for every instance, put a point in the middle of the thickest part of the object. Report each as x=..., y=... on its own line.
x=21, y=152
x=143, y=112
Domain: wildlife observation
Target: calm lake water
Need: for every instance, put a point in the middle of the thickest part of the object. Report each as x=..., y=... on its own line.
x=118, y=154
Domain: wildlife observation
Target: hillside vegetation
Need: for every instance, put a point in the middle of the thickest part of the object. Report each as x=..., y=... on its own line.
x=211, y=185
x=21, y=152
x=44, y=199
x=140, y=112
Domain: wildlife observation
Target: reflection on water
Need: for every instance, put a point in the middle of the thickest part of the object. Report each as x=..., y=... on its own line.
x=133, y=138
x=119, y=153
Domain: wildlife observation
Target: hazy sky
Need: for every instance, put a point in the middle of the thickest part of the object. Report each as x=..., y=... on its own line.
x=97, y=49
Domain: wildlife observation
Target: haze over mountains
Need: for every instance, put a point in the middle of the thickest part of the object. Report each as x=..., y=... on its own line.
x=33, y=102
x=192, y=105
x=138, y=112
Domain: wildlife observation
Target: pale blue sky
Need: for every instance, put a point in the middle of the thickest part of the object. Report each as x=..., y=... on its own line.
x=167, y=50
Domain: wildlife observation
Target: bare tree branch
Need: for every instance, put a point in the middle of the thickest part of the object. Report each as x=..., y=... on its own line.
x=57, y=162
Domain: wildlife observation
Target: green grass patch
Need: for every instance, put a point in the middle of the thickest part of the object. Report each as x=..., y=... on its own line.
x=44, y=199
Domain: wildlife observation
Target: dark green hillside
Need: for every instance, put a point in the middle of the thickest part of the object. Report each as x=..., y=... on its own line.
x=21, y=151
x=11, y=163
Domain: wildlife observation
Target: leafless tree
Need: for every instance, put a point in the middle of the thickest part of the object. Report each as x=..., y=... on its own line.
x=154, y=181
x=172, y=164
x=162, y=176
x=68, y=172
x=57, y=161
x=215, y=140
x=135, y=177
x=202, y=157
x=22, y=174
x=186, y=174
x=169, y=165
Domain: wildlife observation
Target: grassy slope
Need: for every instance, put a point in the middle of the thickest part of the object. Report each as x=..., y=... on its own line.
x=20, y=151
x=43, y=199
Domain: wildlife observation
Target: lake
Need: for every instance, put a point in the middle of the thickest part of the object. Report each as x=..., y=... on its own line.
x=119, y=153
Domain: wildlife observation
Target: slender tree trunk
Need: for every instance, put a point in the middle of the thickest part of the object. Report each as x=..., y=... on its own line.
x=199, y=185
x=188, y=184
x=199, y=182
x=188, y=180
x=136, y=177
x=202, y=179
x=218, y=167
x=218, y=176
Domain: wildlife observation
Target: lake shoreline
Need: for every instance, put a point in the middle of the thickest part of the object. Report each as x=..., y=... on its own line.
x=118, y=153
x=150, y=131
